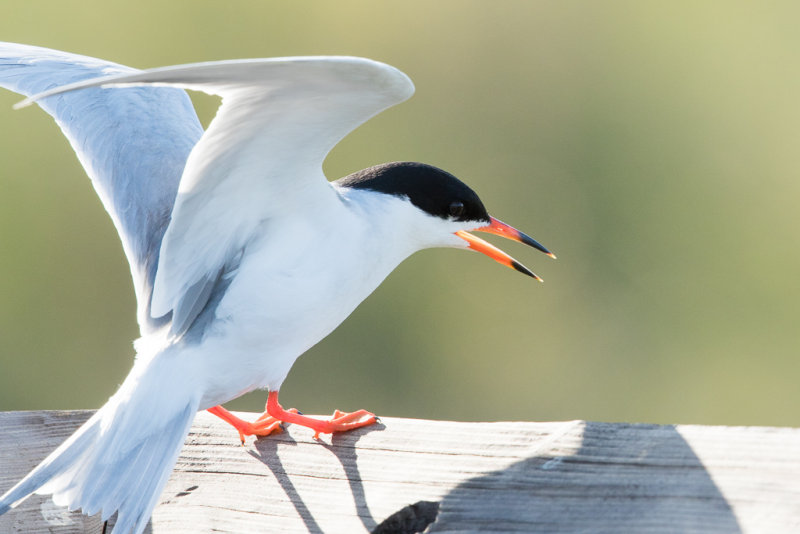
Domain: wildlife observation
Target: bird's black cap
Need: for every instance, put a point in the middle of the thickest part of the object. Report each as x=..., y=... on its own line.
x=429, y=188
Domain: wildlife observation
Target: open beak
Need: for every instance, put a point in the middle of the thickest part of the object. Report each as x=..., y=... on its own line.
x=502, y=229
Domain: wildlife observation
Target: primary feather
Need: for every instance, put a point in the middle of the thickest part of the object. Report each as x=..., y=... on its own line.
x=133, y=144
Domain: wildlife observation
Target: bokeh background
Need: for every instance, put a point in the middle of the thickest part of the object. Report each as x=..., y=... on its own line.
x=653, y=146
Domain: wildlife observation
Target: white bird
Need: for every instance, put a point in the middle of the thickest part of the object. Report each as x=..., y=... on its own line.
x=243, y=254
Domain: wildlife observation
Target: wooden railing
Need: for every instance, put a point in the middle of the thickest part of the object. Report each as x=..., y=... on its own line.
x=409, y=475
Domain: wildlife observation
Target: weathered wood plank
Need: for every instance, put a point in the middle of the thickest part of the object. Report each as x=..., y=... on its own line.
x=501, y=477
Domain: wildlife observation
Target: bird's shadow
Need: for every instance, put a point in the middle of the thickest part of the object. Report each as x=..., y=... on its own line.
x=620, y=477
x=343, y=447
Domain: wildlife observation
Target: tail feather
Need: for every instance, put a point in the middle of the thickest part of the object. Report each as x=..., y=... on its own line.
x=59, y=462
x=118, y=461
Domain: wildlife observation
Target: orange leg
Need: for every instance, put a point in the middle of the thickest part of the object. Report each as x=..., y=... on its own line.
x=270, y=421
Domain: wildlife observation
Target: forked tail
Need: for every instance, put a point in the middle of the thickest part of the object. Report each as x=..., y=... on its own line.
x=118, y=461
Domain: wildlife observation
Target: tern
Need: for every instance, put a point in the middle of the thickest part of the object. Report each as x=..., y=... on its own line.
x=243, y=255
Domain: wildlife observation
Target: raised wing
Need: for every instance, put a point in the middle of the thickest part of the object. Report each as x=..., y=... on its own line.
x=261, y=155
x=133, y=144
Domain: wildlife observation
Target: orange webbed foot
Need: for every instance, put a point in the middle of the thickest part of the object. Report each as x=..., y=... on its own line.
x=265, y=425
x=342, y=421
x=270, y=422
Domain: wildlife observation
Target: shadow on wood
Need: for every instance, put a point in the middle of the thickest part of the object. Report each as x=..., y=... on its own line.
x=450, y=477
x=343, y=447
x=621, y=478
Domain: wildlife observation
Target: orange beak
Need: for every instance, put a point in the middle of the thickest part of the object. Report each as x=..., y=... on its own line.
x=502, y=229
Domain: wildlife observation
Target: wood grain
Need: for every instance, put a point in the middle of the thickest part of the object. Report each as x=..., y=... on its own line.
x=405, y=475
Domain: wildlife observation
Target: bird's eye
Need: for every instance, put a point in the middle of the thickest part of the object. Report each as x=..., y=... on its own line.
x=456, y=209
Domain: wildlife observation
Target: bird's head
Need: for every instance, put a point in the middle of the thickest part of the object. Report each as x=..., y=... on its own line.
x=445, y=208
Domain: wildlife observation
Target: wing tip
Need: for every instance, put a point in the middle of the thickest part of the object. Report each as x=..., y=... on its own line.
x=24, y=103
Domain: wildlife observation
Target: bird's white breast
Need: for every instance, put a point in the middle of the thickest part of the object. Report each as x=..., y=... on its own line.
x=299, y=278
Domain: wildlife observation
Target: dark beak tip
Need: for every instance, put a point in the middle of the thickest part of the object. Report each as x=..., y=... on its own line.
x=535, y=244
x=524, y=270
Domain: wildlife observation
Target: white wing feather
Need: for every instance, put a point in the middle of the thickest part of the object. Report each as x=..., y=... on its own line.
x=133, y=144
x=261, y=155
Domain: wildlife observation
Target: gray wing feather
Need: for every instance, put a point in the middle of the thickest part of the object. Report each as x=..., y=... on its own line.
x=133, y=143
x=192, y=303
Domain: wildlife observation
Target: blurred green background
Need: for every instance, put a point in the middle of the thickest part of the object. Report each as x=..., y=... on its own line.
x=652, y=146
